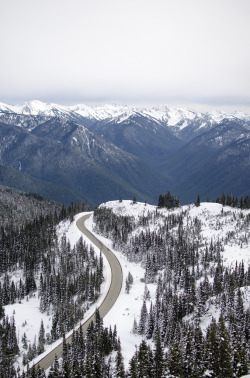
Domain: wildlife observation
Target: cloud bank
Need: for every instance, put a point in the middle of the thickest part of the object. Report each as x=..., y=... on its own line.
x=133, y=51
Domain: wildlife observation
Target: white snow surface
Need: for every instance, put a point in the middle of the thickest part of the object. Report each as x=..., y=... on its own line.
x=172, y=115
x=216, y=222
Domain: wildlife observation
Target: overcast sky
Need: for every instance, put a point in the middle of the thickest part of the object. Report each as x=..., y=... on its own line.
x=191, y=53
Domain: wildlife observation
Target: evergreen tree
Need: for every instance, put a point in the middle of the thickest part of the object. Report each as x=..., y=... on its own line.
x=41, y=339
x=135, y=327
x=158, y=358
x=144, y=360
x=1, y=309
x=212, y=350
x=132, y=373
x=150, y=323
x=188, y=356
x=24, y=341
x=225, y=353
x=127, y=286
x=198, y=201
x=143, y=319
x=119, y=365
x=174, y=361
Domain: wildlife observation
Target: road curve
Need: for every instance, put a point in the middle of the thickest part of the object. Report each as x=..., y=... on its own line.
x=109, y=300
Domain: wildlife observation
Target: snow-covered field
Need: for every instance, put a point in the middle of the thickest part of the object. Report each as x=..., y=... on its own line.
x=216, y=222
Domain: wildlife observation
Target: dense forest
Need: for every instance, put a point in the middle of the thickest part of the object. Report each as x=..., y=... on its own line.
x=191, y=278
x=49, y=267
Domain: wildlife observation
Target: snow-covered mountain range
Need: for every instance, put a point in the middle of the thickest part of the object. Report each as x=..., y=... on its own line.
x=171, y=116
x=165, y=148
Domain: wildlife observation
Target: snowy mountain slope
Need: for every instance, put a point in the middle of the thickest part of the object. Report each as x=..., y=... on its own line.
x=204, y=226
x=173, y=117
x=215, y=222
x=78, y=113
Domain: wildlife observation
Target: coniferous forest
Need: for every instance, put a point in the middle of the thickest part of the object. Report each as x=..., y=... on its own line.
x=67, y=279
x=193, y=286
x=191, y=278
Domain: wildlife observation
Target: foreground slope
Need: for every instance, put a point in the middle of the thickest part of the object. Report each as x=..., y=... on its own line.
x=186, y=258
x=198, y=261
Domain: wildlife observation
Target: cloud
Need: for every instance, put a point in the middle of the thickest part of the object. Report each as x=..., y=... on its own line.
x=140, y=50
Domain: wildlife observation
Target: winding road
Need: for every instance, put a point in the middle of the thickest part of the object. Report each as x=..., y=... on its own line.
x=109, y=300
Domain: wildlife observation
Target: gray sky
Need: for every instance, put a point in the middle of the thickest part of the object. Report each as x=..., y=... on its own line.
x=191, y=53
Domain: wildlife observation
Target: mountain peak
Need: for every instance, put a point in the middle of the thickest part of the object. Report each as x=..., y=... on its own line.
x=171, y=116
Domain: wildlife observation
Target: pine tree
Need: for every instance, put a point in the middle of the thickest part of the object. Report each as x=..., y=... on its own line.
x=198, y=201
x=135, y=327
x=188, y=356
x=132, y=373
x=198, y=367
x=41, y=339
x=174, y=361
x=158, y=358
x=223, y=199
x=24, y=341
x=1, y=309
x=119, y=365
x=146, y=294
x=225, y=353
x=143, y=319
x=64, y=349
x=127, y=286
x=150, y=323
x=240, y=366
x=144, y=360
x=212, y=350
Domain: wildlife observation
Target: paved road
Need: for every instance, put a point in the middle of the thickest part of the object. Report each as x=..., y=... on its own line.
x=109, y=300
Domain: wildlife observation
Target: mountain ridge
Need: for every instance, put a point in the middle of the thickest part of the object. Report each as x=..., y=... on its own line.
x=94, y=171
x=125, y=151
x=107, y=111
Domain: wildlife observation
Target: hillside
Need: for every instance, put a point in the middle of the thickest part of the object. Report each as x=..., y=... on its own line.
x=198, y=251
x=65, y=154
x=18, y=208
x=188, y=266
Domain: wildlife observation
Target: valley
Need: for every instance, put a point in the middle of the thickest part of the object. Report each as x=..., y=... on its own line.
x=100, y=153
